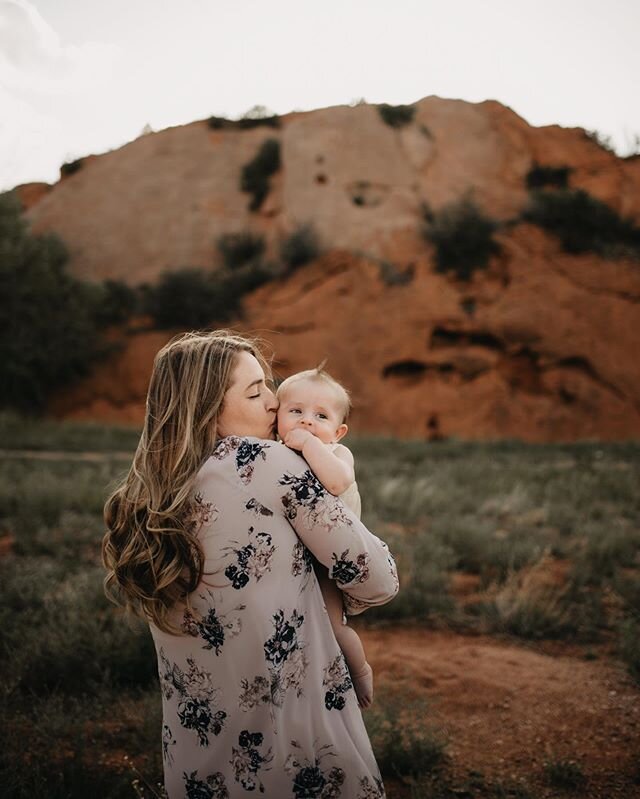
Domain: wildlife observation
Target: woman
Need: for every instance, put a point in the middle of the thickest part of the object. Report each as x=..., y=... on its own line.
x=211, y=537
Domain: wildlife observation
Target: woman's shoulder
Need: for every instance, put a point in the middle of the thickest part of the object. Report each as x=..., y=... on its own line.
x=246, y=453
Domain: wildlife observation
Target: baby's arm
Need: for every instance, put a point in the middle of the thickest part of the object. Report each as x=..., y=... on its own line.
x=334, y=469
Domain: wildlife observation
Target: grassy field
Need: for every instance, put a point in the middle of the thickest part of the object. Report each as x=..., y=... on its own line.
x=527, y=542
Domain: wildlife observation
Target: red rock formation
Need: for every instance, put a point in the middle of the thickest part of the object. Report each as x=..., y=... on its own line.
x=31, y=193
x=541, y=347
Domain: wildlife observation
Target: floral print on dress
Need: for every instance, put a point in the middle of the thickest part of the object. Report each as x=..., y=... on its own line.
x=247, y=761
x=313, y=779
x=197, y=695
x=307, y=494
x=287, y=663
x=345, y=571
x=258, y=508
x=337, y=681
x=167, y=741
x=198, y=513
x=252, y=560
x=246, y=455
x=301, y=564
x=214, y=629
x=247, y=452
x=212, y=787
x=370, y=791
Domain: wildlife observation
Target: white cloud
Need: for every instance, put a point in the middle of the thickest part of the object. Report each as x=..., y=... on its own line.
x=33, y=59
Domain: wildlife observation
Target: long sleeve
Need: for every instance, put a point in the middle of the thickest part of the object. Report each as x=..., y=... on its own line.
x=358, y=561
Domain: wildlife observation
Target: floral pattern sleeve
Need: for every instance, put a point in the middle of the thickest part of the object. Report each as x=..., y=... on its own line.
x=356, y=559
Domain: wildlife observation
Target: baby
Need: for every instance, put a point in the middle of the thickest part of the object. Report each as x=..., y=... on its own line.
x=311, y=419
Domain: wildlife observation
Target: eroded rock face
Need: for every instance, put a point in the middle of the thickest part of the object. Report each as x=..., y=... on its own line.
x=543, y=346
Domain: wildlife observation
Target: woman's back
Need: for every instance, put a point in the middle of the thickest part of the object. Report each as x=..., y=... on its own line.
x=256, y=692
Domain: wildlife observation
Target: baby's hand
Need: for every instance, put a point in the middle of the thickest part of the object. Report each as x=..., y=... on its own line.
x=296, y=439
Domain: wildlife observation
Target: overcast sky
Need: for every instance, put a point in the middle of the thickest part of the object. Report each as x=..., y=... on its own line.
x=86, y=76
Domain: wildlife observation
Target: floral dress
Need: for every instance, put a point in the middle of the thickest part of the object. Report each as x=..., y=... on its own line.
x=257, y=697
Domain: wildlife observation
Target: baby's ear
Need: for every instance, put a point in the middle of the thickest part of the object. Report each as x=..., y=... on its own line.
x=341, y=432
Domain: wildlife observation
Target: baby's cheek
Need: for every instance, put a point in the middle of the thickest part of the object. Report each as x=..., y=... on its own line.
x=281, y=425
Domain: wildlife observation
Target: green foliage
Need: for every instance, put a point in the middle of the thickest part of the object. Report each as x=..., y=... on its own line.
x=405, y=747
x=300, y=247
x=238, y=249
x=256, y=117
x=196, y=297
x=256, y=173
x=19, y=432
x=629, y=645
x=71, y=167
x=603, y=141
x=114, y=302
x=47, y=317
x=539, y=176
x=396, y=116
x=463, y=238
x=583, y=223
x=565, y=774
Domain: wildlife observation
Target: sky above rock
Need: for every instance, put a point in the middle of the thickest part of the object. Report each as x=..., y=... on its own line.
x=86, y=76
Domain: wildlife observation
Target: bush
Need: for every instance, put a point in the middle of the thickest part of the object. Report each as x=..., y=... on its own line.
x=396, y=116
x=71, y=167
x=256, y=117
x=583, y=223
x=565, y=774
x=196, y=298
x=299, y=247
x=115, y=302
x=463, y=238
x=405, y=747
x=238, y=249
x=602, y=140
x=47, y=317
x=539, y=176
x=256, y=174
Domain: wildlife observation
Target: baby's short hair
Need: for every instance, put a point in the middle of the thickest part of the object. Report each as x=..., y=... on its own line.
x=319, y=375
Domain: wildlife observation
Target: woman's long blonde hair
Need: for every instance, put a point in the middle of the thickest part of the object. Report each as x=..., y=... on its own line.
x=150, y=550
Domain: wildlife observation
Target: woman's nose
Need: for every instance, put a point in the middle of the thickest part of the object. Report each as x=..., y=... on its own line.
x=272, y=402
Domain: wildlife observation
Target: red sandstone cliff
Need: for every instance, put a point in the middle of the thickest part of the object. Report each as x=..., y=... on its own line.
x=542, y=346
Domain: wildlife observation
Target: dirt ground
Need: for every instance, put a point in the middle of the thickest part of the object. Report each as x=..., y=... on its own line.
x=506, y=709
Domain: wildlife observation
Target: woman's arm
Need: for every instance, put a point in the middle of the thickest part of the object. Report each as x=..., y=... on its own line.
x=358, y=561
x=334, y=469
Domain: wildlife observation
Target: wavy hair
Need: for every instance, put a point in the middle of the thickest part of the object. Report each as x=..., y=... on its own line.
x=151, y=551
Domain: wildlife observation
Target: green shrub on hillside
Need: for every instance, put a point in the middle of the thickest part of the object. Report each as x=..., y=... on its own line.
x=583, y=223
x=463, y=238
x=396, y=116
x=115, y=302
x=299, y=247
x=47, y=317
x=238, y=249
x=71, y=167
x=540, y=176
x=197, y=297
x=256, y=117
x=255, y=174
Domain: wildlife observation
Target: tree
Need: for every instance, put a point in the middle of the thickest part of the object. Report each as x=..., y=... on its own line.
x=48, y=332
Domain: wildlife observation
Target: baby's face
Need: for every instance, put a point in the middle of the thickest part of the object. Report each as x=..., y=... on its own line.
x=311, y=406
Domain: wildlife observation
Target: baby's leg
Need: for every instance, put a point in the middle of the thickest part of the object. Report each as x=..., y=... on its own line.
x=348, y=639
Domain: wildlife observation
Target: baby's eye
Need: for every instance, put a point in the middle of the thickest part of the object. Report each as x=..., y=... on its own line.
x=294, y=410
x=323, y=415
